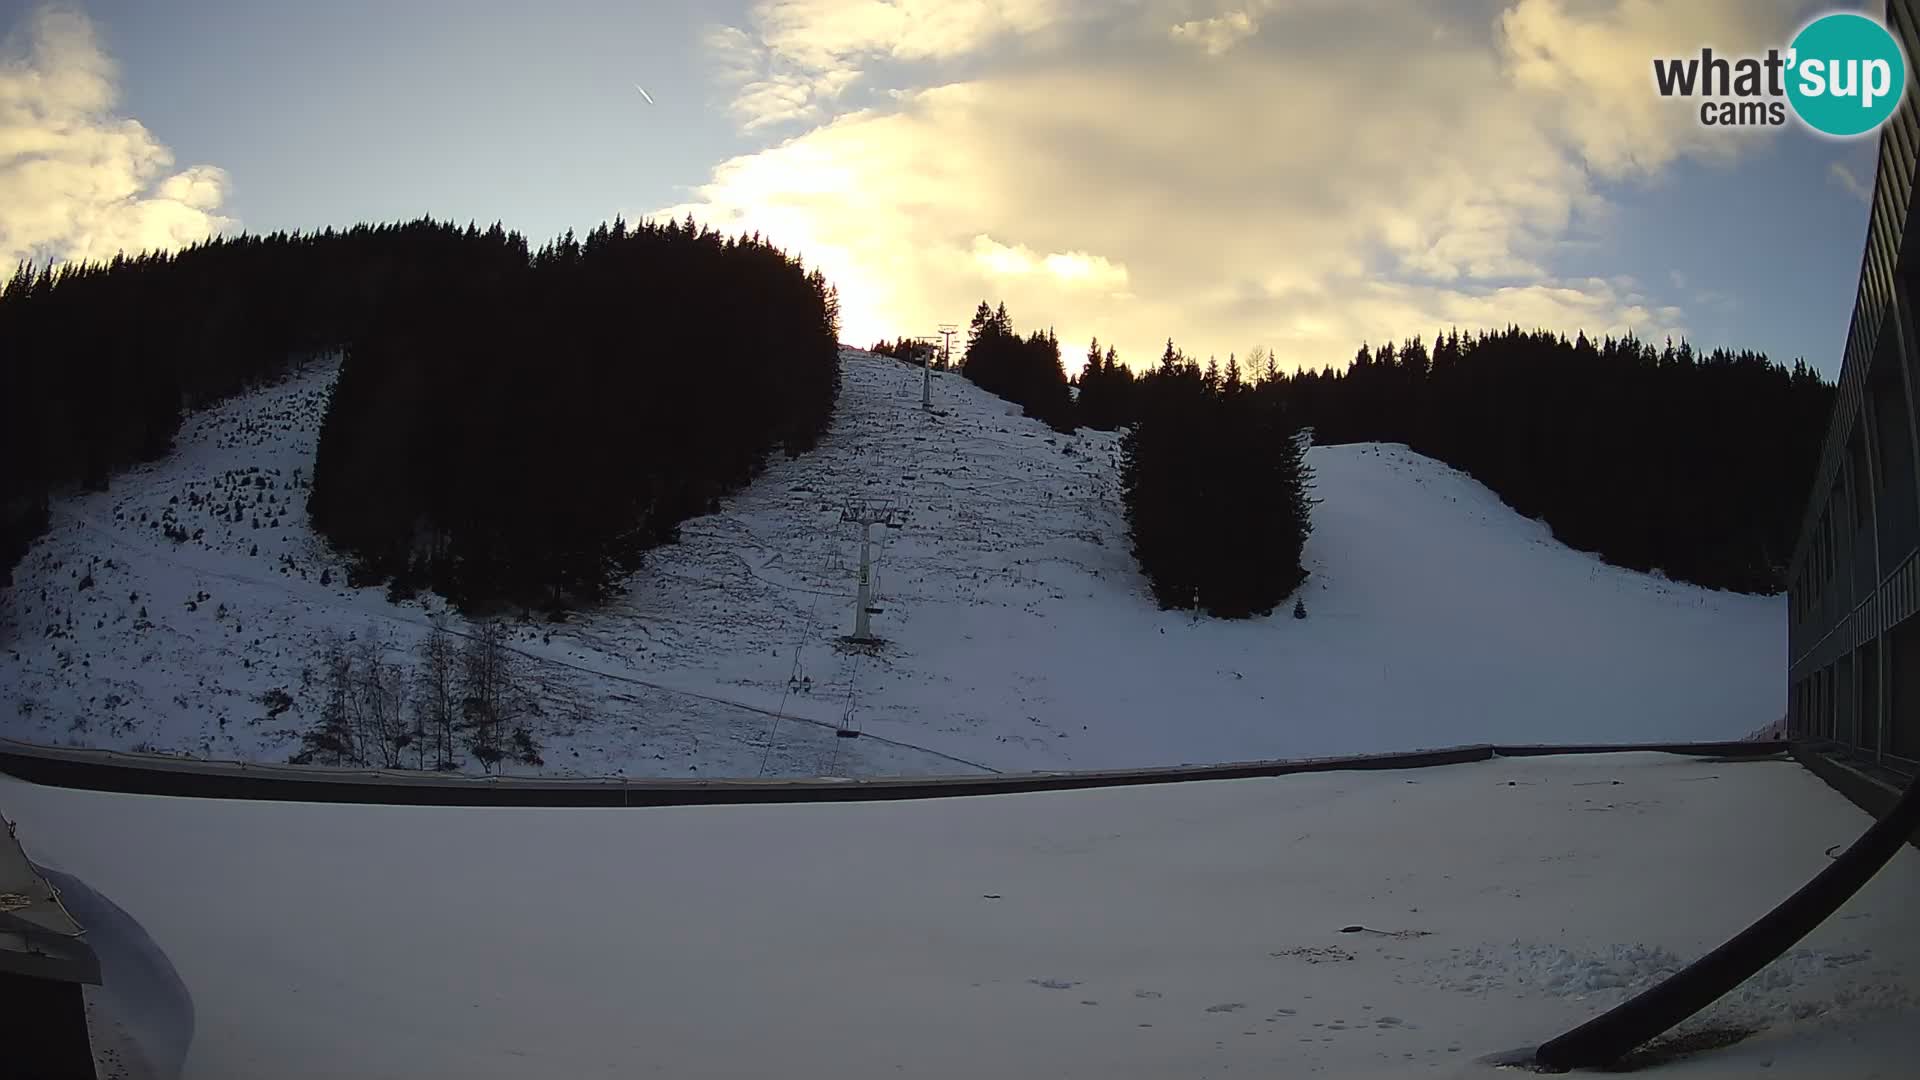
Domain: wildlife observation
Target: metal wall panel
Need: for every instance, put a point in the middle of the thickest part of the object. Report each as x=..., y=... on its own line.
x=1853, y=592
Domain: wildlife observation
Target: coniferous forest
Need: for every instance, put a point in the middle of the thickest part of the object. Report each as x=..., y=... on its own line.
x=99, y=361
x=520, y=424
x=1694, y=464
x=1209, y=454
x=605, y=392
x=909, y=351
x=1106, y=398
x=590, y=395
x=1216, y=487
x=1026, y=371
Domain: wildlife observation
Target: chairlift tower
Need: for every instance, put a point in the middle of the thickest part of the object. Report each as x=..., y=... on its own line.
x=866, y=515
x=946, y=363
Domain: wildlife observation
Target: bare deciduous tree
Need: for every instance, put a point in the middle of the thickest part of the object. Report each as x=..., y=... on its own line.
x=490, y=692
x=380, y=711
x=331, y=740
x=436, y=693
x=380, y=701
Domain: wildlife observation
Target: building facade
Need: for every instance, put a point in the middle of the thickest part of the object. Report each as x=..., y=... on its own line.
x=1854, y=583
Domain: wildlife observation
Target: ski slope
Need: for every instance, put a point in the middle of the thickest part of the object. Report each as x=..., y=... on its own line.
x=1019, y=635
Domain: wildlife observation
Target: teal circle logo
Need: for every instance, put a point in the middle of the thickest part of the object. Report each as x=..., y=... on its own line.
x=1845, y=74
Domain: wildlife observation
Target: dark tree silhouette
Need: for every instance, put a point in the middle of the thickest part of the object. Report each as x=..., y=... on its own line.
x=1027, y=372
x=917, y=353
x=1653, y=458
x=99, y=360
x=1216, y=489
x=532, y=454
x=1106, y=386
x=507, y=425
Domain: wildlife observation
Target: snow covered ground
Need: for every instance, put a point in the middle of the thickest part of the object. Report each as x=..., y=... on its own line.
x=1174, y=931
x=1020, y=635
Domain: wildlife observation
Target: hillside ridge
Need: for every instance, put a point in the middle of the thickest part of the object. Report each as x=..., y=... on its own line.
x=1019, y=633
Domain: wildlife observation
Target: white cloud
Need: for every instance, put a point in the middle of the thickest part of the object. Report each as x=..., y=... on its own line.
x=825, y=34
x=77, y=182
x=1000, y=259
x=1591, y=65
x=1840, y=174
x=1334, y=176
x=802, y=55
x=1238, y=20
x=1068, y=268
x=1219, y=33
x=1087, y=271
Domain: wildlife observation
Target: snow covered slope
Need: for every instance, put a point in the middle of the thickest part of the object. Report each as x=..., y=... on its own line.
x=1019, y=634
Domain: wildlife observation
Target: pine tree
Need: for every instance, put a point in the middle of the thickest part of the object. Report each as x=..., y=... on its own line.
x=978, y=327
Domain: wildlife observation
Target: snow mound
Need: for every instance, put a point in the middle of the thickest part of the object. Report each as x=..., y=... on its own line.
x=1801, y=984
x=1017, y=633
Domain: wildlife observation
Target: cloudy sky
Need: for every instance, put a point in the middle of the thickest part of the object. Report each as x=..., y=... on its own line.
x=1294, y=174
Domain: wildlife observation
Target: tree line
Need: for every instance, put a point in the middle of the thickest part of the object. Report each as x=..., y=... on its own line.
x=524, y=436
x=1026, y=371
x=100, y=360
x=1216, y=487
x=1695, y=464
x=1107, y=390
x=1213, y=468
x=508, y=425
x=909, y=351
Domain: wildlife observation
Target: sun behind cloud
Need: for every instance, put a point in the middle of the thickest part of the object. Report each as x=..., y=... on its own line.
x=1297, y=176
